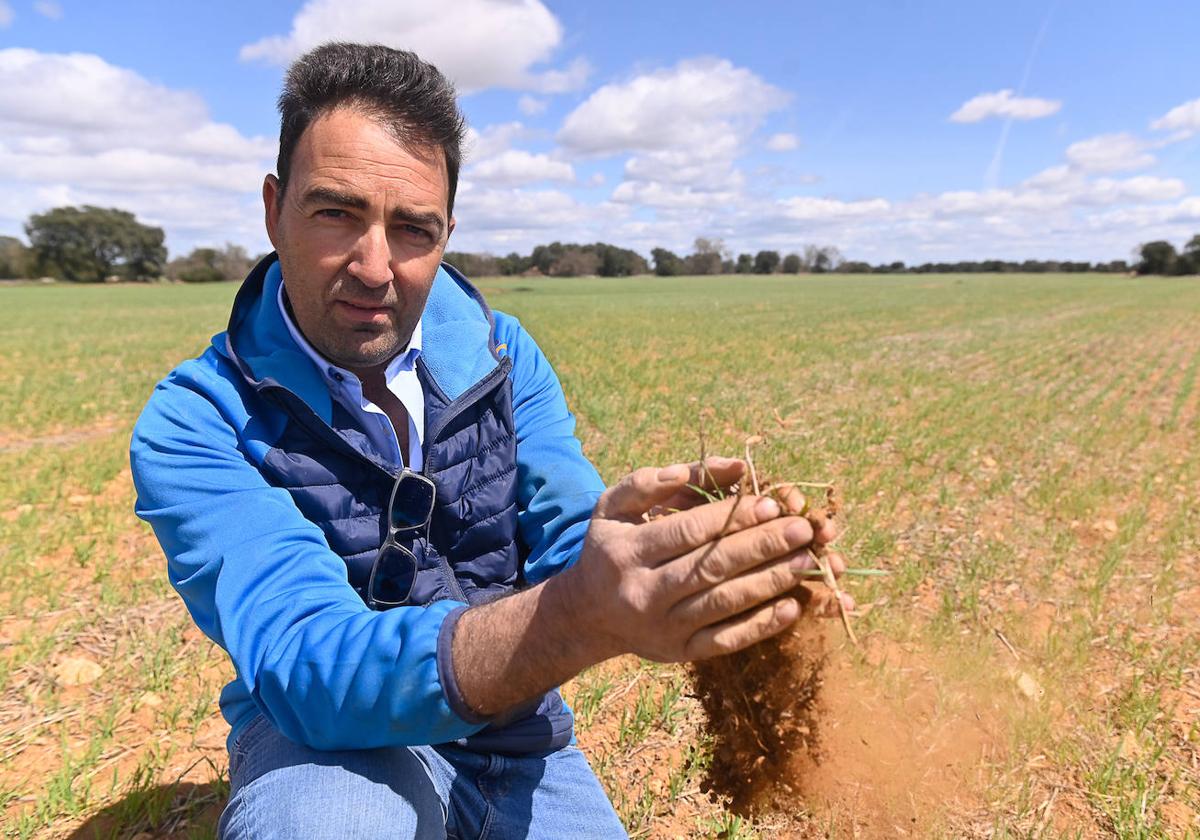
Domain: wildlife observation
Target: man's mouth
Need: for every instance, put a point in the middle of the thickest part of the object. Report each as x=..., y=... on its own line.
x=363, y=312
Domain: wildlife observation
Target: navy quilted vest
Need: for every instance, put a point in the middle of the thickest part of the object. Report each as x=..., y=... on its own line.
x=470, y=454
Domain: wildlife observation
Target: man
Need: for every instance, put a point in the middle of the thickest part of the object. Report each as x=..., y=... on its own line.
x=370, y=495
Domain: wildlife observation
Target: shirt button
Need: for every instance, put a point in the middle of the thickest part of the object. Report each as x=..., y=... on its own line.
x=337, y=376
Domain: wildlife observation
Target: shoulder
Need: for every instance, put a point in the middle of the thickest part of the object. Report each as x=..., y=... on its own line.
x=204, y=396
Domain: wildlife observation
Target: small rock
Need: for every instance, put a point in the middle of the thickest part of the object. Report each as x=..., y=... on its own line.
x=1028, y=686
x=77, y=670
x=148, y=699
x=1130, y=747
x=989, y=462
x=78, y=499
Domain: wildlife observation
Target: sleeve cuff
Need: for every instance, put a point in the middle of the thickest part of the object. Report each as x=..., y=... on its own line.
x=445, y=666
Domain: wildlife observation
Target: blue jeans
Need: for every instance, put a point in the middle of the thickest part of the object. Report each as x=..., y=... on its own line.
x=281, y=789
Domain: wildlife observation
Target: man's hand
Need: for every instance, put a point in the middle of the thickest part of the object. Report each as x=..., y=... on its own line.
x=708, y=580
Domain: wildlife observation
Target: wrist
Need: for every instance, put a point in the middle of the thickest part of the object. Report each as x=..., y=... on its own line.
x=581, y=620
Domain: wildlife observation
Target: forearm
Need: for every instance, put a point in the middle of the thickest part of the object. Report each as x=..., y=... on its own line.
x=512, y=650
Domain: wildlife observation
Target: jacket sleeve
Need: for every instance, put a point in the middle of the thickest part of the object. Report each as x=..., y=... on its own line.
x=261, y=581
x=557, y=486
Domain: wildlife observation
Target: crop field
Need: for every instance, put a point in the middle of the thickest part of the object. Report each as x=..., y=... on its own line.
x=1018, y=452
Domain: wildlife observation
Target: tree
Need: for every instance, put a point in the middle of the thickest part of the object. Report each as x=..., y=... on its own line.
x=14, y=258
x=745, y=264
x=1158, y=257
x=1190, y=259
x=619, y=262
x=575, y=262
x=765, y=262
x=791, y=264
x=822, y=259
x=211, y=265
x=90, y=244
x=666, y=264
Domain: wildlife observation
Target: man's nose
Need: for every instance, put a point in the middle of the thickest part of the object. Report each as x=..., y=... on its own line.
x=371, y=263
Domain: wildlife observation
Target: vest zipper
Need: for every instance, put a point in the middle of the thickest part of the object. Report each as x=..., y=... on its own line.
x=468, y=398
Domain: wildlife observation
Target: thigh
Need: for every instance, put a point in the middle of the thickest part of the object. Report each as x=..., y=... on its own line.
x=281, y=789
x=547, y=796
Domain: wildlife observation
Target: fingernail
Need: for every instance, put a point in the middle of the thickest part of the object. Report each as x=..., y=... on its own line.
x=797, y=534
x=802, y=563
x=766, y=509
x=672, y=473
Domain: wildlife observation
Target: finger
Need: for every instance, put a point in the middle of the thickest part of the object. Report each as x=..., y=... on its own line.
x=835, y=562
x=674, y=536
x=714, y=475
x=823, y=602
x=743, y=630
x=792, y=498
x=716, y=562
x=737, y=595
x=631, y=497
x=826, y=532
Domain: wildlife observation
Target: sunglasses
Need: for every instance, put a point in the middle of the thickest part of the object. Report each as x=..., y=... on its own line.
x=395, y=570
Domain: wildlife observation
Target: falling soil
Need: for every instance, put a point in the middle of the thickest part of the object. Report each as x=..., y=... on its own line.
x=762, y=703
x=762, y=711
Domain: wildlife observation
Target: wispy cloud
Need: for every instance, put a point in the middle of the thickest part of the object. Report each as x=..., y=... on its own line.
x=1004, y=104
x=49, y=9
x=783, y=142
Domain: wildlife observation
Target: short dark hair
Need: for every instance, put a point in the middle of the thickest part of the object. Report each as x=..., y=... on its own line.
x=409, y=97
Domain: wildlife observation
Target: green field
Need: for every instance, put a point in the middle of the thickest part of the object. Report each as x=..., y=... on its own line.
x=1018, y=451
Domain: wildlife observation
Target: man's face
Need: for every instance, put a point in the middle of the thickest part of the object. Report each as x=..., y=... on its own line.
x=360, y=233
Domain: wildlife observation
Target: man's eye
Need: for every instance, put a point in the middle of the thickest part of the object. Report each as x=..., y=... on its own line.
x=331, y=213
x=416, y=231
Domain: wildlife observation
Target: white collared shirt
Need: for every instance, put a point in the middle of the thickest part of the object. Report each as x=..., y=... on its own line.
x=400, y=376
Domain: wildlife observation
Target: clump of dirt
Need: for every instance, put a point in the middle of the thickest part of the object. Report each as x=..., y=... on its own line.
x=761, y=707
x=761, y=704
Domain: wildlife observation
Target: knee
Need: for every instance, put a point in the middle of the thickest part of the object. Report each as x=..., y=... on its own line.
x=331, y=796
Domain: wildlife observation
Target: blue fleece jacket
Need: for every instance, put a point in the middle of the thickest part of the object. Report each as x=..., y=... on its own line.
x=262, y=581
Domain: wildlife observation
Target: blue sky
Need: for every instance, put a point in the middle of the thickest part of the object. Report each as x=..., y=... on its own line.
x=775, y=125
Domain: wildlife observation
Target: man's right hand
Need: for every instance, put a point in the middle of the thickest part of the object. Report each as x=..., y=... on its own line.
x=707, y=580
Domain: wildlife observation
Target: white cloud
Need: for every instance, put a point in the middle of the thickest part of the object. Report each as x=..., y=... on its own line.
x=76, y=129
x=783, y=142
x=1002, y=103
x=80, y=102
x=672, y=196
x=686, y=125
x=1185, y=117
x=479, y=145
x=503, y=213
x=1109, y=153
x=513, y=167
x=6, y=14
x=49, y=9
x=530, y=105
x=684, y=107
x=809, y=209
x=477, y=43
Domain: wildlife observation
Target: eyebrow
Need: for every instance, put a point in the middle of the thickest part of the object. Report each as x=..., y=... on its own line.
x=330, y=195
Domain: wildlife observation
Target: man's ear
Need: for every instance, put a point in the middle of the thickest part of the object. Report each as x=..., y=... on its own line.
x=450, y=228
x=270, y=194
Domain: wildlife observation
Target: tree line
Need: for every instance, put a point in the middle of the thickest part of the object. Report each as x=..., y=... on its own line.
x=94, y=244
x=710, y=256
